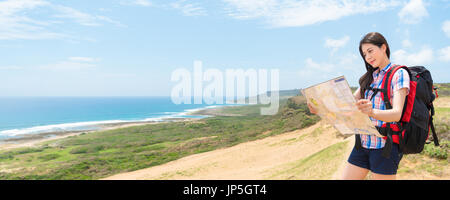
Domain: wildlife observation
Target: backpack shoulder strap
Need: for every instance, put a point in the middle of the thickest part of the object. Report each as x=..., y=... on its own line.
x=435, y=138
x=385, y=96
x=386, y=85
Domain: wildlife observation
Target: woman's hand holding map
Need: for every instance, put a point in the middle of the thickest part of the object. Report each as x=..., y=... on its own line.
x=365, y=106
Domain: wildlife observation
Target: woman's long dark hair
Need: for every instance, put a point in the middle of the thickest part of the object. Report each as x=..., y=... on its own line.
x=377, y=39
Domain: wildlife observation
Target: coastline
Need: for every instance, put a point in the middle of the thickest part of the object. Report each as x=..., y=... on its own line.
x=30, y=140
x=215, y=111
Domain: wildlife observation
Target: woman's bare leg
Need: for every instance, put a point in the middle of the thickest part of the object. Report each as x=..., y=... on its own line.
x=353, y=172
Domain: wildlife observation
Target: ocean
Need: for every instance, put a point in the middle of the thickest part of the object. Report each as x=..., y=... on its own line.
x=32, y=115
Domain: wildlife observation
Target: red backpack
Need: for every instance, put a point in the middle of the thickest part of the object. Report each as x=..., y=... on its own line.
x=412, y=131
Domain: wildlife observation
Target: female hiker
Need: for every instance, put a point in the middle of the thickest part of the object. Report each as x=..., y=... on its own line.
x=375, y=52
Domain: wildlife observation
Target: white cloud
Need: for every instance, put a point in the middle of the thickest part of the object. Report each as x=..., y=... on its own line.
x=15, y=25
x=66, y=65
x=314, y=72
x=82, y=18
x=18, y=22
x=13, y=6
x=84, y=59
x=337, y=64
x=446, y=27
x=319, y=67
x=347, y=64
x=413, y=12
x=145, y=3
x=142, y=2
x=335, y=44
x=72, y=64
x=444, y=54
x=188, y=9
x=291, y=13
x=406, y=43
x=348, y=61
x=423, y=57
x=69, y=64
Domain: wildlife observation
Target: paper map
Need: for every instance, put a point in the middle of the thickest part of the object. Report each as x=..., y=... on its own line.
x=334, y=102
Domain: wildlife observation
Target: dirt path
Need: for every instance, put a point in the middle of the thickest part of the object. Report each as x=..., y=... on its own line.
x=250, y=160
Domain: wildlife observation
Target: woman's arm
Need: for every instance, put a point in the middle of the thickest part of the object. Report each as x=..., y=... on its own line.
x=392, y=115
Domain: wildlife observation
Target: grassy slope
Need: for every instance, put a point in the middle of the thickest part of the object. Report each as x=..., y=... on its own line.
x=100, y=154
x=325, y=163
x=443, y=89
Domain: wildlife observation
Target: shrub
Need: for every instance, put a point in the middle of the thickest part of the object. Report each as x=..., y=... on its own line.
x=30, y=150
x=6, y=156
x=79, y=150
x=87, y=149
x=440, y=152
x=48, y=157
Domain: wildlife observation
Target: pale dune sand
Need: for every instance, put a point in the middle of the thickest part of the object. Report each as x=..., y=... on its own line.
x=253, y=160
x=442, y=102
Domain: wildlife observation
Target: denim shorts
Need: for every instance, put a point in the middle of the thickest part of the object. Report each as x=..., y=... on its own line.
x=373, y=160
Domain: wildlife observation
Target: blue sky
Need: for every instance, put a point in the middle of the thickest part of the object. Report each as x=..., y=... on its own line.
x=131, y=47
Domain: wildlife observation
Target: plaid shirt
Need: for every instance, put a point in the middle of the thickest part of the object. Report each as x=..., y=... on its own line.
x=399, y=80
